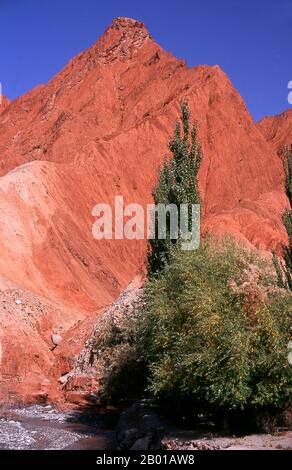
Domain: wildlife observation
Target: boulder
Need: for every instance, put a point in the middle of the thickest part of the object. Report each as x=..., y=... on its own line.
x=140, y=428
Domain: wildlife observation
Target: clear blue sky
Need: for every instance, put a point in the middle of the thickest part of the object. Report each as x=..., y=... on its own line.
x=250, y=39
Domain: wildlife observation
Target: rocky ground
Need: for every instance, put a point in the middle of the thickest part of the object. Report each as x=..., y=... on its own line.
x=45, y=427
x=277, y=441
x=31, y=368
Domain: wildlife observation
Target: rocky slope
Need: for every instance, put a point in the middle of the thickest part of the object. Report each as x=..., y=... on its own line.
x=277, y=130
x=98, y=129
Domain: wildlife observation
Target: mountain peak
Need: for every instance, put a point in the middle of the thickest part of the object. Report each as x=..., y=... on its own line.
x=122, y=23
x=121, y=39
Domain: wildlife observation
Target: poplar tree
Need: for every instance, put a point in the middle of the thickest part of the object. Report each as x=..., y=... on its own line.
x=177, y=184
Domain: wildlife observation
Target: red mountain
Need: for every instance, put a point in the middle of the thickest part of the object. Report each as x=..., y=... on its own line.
x=98, y=129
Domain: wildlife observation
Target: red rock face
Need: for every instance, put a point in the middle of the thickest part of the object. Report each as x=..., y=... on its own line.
x=98, y=129
x=4, y=102
x=277, y=130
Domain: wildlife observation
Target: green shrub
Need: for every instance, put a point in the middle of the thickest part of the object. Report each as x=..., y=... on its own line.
x=220, y=330
x=213, y=327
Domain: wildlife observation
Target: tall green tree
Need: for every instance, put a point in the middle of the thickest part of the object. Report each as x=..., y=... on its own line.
x=177, y=184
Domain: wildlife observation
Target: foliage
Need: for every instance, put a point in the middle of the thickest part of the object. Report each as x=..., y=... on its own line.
x=208, y=340
x=177, y=184
x=213, y=327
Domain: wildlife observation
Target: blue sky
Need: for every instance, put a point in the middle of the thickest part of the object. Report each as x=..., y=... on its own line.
x=250, y=39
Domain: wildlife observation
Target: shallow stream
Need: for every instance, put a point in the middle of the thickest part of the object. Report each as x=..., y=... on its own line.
x=47, y=428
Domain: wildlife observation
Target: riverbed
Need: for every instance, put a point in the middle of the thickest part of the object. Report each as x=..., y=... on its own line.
x=40, y=427
x=46, y=427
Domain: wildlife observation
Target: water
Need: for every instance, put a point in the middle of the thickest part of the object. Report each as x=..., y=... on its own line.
x=40, y=427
